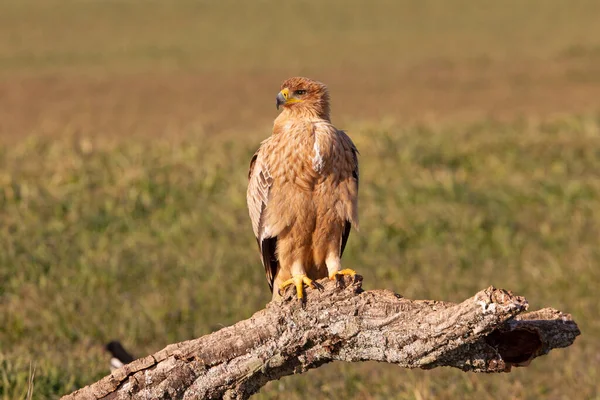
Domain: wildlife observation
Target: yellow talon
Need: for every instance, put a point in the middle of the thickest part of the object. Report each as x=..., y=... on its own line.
x=299, y=281
x=346, y=271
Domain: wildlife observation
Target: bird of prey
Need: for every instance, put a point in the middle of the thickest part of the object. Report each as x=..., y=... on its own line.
x=303, y=190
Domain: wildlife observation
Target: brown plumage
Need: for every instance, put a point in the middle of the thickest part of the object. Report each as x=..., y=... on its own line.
x=303, y=190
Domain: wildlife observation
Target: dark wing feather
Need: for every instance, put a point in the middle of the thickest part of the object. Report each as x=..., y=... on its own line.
x=268, y=248
x=345, y=236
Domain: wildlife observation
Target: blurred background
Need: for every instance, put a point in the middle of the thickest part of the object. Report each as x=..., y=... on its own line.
x=126, y=130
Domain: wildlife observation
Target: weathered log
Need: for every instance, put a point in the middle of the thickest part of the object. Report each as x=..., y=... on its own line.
x=341, y=322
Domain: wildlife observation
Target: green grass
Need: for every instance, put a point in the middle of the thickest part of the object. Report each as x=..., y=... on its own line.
x=149, y=242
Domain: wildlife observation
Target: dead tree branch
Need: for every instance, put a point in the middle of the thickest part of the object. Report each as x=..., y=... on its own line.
x=485, y=333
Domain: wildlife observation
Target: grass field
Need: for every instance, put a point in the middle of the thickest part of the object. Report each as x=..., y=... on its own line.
x=126, y=129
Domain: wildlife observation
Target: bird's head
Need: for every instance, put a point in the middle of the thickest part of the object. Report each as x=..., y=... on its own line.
x=304, y=96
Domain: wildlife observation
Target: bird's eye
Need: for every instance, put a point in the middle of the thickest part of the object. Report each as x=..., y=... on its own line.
x=299, y=92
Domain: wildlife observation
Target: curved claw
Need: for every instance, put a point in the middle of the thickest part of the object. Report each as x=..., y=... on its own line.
x=299, y=281
x=342, y=272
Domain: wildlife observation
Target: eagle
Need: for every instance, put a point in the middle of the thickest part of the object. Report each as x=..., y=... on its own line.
x=303, y=190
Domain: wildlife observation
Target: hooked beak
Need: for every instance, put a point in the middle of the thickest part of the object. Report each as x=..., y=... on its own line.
x=280, y=100
x=282, y=97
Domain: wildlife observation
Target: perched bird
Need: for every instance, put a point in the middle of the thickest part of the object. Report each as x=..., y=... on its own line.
x=303, y=190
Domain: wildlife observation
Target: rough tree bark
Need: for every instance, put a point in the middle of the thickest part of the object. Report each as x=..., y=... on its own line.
x=485, y=333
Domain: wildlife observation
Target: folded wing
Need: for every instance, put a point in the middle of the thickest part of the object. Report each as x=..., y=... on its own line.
x=348, y=144
x=260, y=182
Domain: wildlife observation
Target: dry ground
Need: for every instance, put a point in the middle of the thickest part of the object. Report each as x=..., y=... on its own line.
x=157, y=104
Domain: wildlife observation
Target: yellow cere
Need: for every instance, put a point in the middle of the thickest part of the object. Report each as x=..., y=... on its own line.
x=289, y=99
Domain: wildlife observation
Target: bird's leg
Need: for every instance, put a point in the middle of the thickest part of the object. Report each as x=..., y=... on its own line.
x=298, y=279
x=334, y=266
